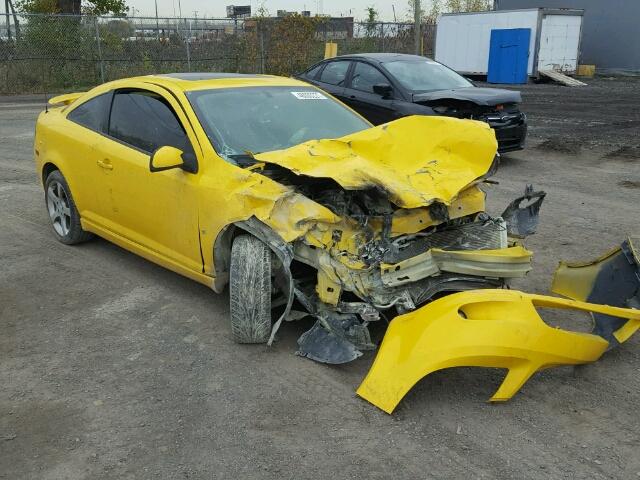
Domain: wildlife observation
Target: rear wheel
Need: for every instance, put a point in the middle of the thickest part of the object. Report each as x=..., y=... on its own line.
x=250, y=290
x=64, y=216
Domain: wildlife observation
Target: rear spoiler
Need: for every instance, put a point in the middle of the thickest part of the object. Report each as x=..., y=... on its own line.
x=65, y=99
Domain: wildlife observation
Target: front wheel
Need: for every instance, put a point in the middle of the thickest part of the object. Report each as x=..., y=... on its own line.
x=250, y=290
x=64, y=216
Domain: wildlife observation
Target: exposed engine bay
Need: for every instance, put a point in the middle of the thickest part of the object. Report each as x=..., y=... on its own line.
x=399, y=234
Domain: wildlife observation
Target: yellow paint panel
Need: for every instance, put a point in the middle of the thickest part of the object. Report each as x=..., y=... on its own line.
x=576, y=279
x=417, y=160
x=468, y=202
x=610, y=278
x=496, y=328
x=516, y=254
x=330, y=50
x=586, y=71
x=328, y=290
x=65, y=99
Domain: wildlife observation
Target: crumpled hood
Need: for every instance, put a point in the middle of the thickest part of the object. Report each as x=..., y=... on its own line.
x=477, y=95
x=417, y=160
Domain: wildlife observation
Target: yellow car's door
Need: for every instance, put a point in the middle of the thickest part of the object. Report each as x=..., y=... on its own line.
x=81, y=141
x=154, y=214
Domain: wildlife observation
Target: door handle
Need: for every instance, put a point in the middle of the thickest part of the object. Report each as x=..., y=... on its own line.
x=352, y=97
x=106, y=164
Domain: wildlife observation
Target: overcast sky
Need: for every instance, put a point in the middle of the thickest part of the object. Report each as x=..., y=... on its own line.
x=217, y=8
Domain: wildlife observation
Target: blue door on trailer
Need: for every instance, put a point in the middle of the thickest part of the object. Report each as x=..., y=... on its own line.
x=509, y=55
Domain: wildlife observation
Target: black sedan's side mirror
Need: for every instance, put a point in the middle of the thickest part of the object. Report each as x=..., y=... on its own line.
x=383, y=89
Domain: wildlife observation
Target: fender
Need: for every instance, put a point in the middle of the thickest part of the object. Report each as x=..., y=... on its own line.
x=480, y=328
x=612, y=279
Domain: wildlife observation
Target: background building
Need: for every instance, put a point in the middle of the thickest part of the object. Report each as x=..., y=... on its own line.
x=610, y=31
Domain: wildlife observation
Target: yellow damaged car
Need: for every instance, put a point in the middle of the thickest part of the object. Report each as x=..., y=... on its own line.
x=272, y=186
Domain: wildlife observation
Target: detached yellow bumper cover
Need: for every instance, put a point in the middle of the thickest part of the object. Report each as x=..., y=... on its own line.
x=479, y=328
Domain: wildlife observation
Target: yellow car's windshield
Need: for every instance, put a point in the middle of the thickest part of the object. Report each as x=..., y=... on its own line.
x=262, y=119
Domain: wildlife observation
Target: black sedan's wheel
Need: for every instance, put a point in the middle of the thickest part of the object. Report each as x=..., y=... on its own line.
x=63, y=213
x=250, y=290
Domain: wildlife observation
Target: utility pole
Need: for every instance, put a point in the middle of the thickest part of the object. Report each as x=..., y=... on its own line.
x=417, y=17
x=157, y=24
x=6, y=8
x=16, y=24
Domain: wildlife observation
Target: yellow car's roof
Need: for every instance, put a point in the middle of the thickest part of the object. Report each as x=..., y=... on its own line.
x=206, y=80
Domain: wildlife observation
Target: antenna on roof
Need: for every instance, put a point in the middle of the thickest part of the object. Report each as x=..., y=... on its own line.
x=44, y=88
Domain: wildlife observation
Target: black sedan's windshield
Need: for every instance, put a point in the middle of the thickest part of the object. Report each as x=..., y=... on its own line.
x=261, y=119
x=425, y=75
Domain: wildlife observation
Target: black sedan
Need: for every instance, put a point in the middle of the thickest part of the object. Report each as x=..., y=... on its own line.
x=386, y=86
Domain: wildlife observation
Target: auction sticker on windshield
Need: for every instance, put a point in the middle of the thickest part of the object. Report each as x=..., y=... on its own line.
x=308, y=95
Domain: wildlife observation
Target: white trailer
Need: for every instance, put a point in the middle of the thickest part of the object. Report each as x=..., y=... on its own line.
x=462, y=39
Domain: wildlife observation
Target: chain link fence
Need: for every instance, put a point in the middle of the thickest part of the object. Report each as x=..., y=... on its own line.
x=56, y=53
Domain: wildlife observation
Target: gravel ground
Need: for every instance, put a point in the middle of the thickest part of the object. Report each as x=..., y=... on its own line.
x=603, y=114
x=114, y=368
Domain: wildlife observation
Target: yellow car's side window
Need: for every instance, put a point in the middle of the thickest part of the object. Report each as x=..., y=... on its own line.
x=93, y=114
x=146, y=121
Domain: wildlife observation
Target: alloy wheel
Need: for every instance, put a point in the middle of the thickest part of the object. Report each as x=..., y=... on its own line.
x=58, y=206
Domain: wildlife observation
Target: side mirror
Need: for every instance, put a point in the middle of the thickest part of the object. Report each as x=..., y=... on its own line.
x=166, y=158
x=383, y=89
